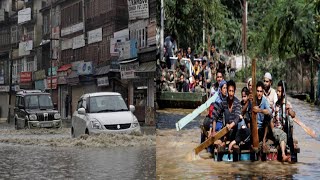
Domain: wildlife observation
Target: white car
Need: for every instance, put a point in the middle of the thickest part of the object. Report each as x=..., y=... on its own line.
x=103, y=112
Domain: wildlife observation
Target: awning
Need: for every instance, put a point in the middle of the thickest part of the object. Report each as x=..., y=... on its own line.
x=128, y=61
x=147, y=67
x=102, y=70
x=73, y=78
x=44, y=41
x=73, y=74
x=64, y=67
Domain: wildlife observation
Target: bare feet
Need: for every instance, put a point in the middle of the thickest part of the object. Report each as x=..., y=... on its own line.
x=285, y=158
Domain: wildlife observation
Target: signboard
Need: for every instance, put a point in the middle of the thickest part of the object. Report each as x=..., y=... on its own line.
x=95, y=36
x=25, y=77
x=54, y=82
x=85, y=68
x=55, y=34
x=72, y=29
x=114, y=51
x=127, y=49
x=104, y=81
x=38, y=75
x=74, y=65
x=24, y=15
x=138, y=25
x=138, y=9
x=54, y=71
x=40, y=84
x=15, y=87
x=152, y=32
x=4, y=88
x=78, y=42
x=66, y=44
x=122, y=34
x=1, y=80
x=127, y=70
x=25, y=47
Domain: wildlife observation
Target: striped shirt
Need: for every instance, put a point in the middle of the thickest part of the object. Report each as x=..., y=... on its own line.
x=229, y=117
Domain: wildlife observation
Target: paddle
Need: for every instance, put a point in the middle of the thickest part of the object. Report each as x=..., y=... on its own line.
x=185, y=120
x=211, y=140
x=308, y=130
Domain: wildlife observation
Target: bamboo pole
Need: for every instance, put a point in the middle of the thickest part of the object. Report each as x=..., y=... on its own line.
x=254, y=125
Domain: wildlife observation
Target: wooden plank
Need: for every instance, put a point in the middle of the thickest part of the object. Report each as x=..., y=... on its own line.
x=254, y=124
x=211, y=140
x=308, y=130
x=185, y=120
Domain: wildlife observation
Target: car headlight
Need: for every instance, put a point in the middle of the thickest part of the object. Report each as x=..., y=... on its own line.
x=135, y=122
x=96, y=124
x=57, y=116
x=33, y=117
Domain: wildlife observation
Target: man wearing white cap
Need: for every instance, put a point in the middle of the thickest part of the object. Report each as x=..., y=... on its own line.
x=269, y=92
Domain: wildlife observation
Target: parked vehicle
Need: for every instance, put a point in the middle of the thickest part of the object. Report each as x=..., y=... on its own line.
x=34, y=109
x=103, y=112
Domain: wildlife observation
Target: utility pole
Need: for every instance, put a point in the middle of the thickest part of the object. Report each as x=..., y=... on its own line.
x=245, y=32
x=51, y=48
x=161, y=30
x=244, y=35
x=10, y=78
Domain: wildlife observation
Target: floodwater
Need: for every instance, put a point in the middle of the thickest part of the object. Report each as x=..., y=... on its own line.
x=53, y=154
x=175, y=159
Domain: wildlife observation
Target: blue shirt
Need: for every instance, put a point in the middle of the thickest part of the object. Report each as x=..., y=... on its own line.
x=261, y=117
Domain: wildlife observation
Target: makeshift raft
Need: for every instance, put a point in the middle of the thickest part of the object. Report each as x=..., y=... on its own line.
x=273, y=154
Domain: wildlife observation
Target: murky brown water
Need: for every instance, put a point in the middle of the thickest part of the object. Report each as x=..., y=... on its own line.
x=175, y=159
x=53, y=154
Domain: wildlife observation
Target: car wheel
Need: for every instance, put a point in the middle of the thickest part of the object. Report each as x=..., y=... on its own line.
x=72, y=133
x=87, y=131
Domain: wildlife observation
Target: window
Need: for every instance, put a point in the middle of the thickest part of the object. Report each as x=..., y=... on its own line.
x=30, y=33
x=71, y=15
x=79, y=104
x=4, y=38
x=107, y=103
x=140, y=36
x=30, y=65
x=18, y=66
x=45, y=25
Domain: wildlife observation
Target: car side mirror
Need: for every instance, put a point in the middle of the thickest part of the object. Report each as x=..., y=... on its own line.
x=81, y=111
x=132, y=108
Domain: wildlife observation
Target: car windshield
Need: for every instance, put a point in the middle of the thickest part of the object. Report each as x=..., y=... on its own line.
x=113, y=103
x=38, y=102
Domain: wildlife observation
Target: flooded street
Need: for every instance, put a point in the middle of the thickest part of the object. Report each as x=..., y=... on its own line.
x=175, y=159
x=53, y=154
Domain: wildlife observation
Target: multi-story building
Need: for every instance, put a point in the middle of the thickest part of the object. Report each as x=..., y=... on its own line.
x=20, y=31
x=64, y=47
x=78, y=34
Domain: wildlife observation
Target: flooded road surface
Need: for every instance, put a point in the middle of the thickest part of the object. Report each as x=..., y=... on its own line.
x=53, y=154
x=175, y=159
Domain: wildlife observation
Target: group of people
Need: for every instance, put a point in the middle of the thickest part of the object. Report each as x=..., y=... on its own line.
x=188, y=72
x=274, y=115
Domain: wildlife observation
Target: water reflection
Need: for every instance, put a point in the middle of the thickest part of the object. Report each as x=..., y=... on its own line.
x=53, y=154
x=175, y=159
x=33, y=162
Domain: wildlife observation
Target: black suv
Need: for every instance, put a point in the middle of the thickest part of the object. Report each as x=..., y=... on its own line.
x=34, y=109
